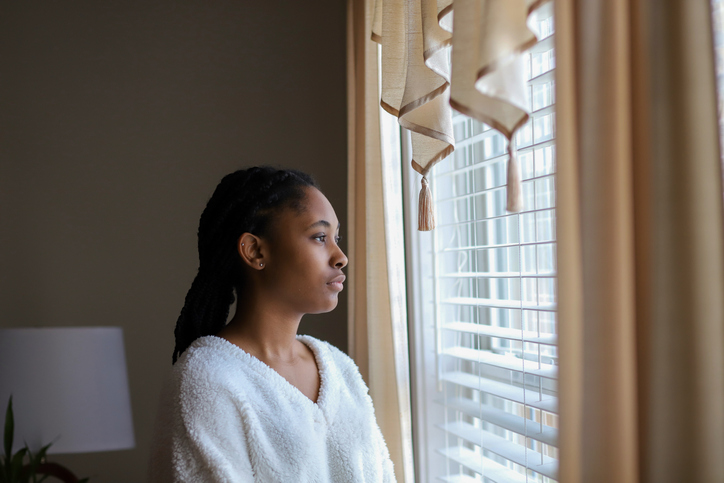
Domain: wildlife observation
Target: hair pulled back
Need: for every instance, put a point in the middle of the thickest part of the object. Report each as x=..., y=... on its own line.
x=244, y=201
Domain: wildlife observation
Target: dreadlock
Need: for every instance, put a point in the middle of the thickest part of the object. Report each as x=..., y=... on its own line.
x=244, y=201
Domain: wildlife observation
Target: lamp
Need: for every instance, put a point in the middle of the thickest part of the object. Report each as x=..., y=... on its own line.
x=69, y=387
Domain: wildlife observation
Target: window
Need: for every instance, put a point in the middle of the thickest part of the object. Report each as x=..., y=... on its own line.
x=717, y=7
x=483, y=302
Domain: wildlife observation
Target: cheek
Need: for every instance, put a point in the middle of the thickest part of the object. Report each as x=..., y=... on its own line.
x=301, y=279
x=312, y=292
x=301, y=275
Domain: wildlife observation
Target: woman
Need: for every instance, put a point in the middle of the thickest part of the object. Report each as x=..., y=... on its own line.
x=251, y=400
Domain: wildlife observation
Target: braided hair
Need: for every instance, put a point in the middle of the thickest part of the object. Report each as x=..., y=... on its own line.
x=244, y=201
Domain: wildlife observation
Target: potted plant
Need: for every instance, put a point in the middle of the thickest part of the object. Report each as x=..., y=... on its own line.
x=15, y=469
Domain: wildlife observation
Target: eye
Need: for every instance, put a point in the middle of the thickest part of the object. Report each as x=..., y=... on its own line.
x=321, y=238
x=337, y=238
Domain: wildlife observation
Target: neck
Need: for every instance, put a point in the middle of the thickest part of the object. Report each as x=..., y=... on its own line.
x=263, y=329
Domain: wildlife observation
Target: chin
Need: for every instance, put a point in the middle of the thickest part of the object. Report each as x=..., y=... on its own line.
x=324, y=308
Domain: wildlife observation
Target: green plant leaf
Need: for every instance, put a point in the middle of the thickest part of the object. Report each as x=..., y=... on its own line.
x=43, y=450
x=35, y=461
x=17, y=465
x=8, y=468
x=9, y=431
x=37, y=458
x=18, y=457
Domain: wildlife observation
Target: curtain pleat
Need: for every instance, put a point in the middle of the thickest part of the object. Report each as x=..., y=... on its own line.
x=411, y=89
x=488, y=72
x=485, y=78
x=377, y=316
x=641, y=243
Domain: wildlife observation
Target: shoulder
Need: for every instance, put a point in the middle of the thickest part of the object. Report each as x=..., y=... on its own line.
x=206, y=359
x=210, y=371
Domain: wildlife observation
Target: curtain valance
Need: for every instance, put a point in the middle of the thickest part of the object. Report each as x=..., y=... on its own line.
x=436, y=57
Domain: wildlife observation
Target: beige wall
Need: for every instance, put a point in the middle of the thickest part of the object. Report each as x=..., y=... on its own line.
x=117, y=119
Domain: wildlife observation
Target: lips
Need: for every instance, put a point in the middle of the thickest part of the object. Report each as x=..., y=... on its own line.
x=337, y=282
x=339, y=279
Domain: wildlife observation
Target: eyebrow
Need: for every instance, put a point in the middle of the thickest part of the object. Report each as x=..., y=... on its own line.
x=323, y=223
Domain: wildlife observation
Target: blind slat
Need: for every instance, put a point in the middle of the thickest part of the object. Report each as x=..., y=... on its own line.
x=502, y=332
x=544, y=434
x=534, y=399
x=498, y=217
x=497, y=275
x=518, y=454
x=543, y=45
x=482, y=466
x=544, y=78
x=511, y=363
x=459, y=479
x=496, y=159
x=495, y=246
x=499, y=304
x=493, y=188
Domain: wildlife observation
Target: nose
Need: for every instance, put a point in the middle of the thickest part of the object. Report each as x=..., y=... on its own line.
x=339, y=259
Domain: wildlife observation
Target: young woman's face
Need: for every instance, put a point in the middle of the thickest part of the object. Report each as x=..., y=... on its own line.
x=303, y=265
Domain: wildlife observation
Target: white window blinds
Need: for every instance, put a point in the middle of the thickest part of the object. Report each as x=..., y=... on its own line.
x=717, y=7
x=485, y=348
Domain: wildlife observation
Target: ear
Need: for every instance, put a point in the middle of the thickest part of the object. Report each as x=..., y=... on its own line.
x=251, y=249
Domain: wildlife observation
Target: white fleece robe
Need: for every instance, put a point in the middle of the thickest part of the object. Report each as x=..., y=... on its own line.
x=225, y=416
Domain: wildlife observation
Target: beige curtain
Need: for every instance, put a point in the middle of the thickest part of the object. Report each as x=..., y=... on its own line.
x=485, y=79
x=377, y=316
x=640, y=233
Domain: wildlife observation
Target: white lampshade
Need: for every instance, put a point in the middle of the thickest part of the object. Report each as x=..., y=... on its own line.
x=69, y=387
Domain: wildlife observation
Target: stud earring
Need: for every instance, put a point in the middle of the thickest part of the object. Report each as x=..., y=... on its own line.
x=261, y=265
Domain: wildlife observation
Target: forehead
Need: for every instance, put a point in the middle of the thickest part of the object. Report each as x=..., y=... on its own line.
x=316, y=207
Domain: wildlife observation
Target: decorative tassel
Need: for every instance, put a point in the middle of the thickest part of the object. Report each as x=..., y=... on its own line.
x=425, y=210
x=515, y=191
